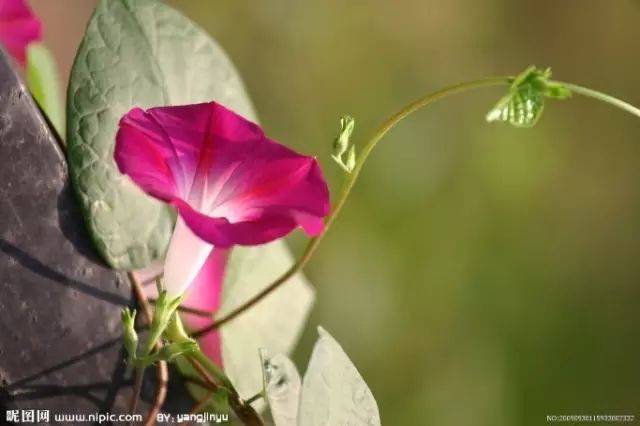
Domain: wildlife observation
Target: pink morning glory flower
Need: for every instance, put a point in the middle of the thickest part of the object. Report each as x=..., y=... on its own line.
x=230, y=184
x=18, y=28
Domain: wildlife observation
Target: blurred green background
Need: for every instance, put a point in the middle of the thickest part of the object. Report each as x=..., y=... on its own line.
x=480, y=274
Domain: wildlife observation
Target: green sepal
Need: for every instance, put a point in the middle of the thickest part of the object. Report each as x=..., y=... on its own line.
x=130, y=335
x=175, y=330
x=168, y=353
x=165, y=309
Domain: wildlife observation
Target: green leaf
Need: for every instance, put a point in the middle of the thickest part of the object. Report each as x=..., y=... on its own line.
x=521, y=108
x=333, y=392
x=135, y=53
x=43, y=81
x=274, y=324
x=523, y=105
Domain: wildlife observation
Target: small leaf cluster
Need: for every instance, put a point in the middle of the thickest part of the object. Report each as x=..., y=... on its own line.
x=523, y=105
x=164, y=315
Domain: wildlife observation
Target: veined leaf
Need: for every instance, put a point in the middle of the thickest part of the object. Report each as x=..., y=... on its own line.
x=135, y=53
x=523, y=105
x=521, y=108
x=333, y=391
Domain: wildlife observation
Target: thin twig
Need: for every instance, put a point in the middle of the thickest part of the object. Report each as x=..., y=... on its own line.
x=202, y=403
x=199, y=382
x=203, y=372
x=135, y=394
x=244, y=411
x=348, y=186
x=207, y=383
x=162, y=370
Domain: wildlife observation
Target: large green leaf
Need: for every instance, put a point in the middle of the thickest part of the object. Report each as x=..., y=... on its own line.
x=333, y=392
x=135, y=53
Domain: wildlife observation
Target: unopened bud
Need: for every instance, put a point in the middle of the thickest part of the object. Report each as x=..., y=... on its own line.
x=130, y=335
x=342, y=145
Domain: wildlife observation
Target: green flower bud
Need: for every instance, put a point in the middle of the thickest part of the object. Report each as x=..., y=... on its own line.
x=341, y=145
x=165, y=308
x=130, y=335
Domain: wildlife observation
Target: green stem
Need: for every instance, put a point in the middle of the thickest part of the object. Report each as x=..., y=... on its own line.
x=590, y=93
x=348, y=186
x=210, y=372
x=244, y=411
x=175, y=332
x=362, y=158
x=211, y=368
x=392, y=122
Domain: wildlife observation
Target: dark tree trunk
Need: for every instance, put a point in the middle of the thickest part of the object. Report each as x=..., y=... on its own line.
x=60, y=344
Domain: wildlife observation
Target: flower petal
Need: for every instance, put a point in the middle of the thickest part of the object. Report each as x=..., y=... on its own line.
x=185, y=258
x=205, y=294
x=18, y=28
x=268, y=227
x=230, y=184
